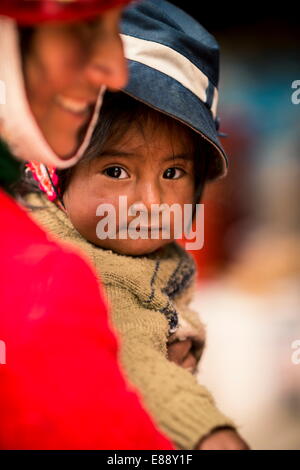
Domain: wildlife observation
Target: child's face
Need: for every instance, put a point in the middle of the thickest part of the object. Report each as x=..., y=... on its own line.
x=153, y=165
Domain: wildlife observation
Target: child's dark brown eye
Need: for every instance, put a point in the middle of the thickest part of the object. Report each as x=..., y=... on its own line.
x=116, y=172
x=173, y=173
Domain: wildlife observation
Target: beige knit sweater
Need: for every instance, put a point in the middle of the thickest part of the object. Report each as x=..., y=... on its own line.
x=149, y=297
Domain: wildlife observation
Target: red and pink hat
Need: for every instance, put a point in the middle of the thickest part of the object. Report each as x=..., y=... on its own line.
x=36, y=11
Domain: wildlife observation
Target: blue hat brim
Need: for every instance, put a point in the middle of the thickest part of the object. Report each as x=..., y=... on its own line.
x=170, y=97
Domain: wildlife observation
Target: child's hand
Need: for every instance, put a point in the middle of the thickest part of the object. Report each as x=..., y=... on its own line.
x=180, y=353
x=223, y=439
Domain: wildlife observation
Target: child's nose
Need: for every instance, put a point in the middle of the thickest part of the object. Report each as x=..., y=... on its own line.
x=150, y=194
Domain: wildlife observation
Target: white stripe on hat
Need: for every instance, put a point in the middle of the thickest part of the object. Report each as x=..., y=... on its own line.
x=215, y=102
x=171, y=63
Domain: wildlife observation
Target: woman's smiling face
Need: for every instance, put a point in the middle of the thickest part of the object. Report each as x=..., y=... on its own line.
x=149, y=165
x=65, y=66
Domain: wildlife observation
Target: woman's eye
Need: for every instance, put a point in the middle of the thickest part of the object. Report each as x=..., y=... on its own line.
x=173, y=173
x=116, y=172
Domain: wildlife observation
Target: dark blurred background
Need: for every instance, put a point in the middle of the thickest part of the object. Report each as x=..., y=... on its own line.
x=232, y=17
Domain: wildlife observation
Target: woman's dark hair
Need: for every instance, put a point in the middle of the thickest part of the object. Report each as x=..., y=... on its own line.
x=26, y=34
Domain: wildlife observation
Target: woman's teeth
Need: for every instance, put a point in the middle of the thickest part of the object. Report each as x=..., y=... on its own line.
x=77, y=107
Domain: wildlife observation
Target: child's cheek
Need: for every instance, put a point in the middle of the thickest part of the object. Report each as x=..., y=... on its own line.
x=98, y=207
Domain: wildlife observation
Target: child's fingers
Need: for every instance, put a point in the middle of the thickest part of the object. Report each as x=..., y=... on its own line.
x=190, y=362
x=179, y=350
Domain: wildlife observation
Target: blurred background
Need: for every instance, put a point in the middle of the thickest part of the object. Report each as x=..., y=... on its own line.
x=249, y=269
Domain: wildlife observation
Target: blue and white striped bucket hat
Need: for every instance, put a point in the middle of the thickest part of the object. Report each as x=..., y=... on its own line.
x=174, y=68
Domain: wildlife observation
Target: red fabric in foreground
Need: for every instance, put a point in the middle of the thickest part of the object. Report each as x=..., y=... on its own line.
x=61, y=386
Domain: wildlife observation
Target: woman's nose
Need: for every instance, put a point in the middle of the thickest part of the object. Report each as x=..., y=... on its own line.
x=107, y=64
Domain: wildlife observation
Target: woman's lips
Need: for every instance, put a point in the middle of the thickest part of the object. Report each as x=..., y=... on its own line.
x=73, y=105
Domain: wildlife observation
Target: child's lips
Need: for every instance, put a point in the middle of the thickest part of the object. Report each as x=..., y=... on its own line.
x=151, y=228
x=143, y=229
x=139, y=229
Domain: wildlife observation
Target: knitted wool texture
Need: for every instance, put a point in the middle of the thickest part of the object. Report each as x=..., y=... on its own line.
x=148, y=297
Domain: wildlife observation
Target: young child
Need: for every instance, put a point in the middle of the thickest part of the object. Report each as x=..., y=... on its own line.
x=156, y=143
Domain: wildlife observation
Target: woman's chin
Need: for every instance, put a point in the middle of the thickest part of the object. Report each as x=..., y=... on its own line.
x=64, y=131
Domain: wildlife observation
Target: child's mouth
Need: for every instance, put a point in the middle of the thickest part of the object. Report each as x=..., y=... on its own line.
x=143, y=232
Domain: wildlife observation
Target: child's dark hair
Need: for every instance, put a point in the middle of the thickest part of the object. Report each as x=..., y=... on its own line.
x=118, y=112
